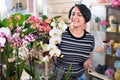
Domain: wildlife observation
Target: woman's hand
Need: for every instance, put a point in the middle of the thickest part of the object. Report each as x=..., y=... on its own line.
x=88, y=63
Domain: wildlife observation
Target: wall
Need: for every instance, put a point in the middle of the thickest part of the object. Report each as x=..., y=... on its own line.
x=59, y=7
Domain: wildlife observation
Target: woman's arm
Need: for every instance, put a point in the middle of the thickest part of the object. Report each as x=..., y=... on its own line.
x=88, y=62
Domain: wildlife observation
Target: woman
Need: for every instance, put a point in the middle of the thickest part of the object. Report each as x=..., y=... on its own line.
x=77, y=44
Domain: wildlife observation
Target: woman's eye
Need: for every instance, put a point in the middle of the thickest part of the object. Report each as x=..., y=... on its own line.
x=79, y=14
x=72, y=14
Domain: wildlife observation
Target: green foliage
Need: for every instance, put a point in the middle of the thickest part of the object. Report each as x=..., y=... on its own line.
x=56, y=17
x=44, y=17
x=15, y=19
x=68, y=72
x=97, y=19
x=32, y=71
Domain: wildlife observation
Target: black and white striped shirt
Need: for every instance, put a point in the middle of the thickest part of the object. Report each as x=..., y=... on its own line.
x=76, y=51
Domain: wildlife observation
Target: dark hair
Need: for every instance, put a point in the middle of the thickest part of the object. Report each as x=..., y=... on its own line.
x=84, y=10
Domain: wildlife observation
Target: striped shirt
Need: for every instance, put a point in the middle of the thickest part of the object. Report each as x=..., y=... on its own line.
x=76, y=51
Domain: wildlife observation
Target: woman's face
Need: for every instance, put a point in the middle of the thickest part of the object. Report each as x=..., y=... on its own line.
x=77, y=19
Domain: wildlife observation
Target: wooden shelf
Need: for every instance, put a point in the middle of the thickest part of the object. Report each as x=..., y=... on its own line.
x=113, y=35
x=94, y=74
x=110, y=59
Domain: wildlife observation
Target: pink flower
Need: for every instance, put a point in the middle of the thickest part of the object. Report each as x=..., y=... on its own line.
x=103, y=23
x=115, y=3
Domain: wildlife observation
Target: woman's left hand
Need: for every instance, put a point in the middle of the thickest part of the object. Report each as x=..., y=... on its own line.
x=88, y=63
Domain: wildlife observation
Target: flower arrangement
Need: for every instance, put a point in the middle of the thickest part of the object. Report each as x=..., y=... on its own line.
x=103, y=23
x=27, y=41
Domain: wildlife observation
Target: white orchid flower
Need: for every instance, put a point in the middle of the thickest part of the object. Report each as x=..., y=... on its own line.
x=2, y=41
x=55, y=40
x=55, y=52
x=53, y=24
x=55, y=32
x=62, y=27
x=45, y=59
x=6, y=31
x=51, y=47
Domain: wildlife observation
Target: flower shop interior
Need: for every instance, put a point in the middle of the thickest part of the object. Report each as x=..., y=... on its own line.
x=14, y=61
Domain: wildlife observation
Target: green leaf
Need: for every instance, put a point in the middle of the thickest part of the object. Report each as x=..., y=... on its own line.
x=30, y=70
x=29, y=31
x=44, y=17
x=21, y=67
x=5, y=23
x=97, y=19
x=26, y=16
x=68, y=72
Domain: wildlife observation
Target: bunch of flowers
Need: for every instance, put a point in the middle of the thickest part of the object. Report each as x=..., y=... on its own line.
x=115, y=3
x=103, y=23
x=26, y=41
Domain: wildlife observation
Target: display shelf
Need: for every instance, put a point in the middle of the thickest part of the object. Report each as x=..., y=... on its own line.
x=93, y=74
x=110, y=59
x=113, y=35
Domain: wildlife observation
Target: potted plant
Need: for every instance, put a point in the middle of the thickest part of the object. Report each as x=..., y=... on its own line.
x=103, y=25
x=97, y=20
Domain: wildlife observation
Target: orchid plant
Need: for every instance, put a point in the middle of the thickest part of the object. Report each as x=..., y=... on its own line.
x=26, y=38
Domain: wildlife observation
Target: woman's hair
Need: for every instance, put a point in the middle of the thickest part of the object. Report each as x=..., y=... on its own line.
x=84, y=10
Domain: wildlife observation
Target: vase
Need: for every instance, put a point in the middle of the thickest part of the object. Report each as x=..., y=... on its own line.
x=117, y=75
x=103, y=28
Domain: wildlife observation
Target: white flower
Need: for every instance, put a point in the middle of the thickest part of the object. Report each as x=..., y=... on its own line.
x=62, y=26
x=55, y=52
x=5, y=31
x=45, y=59
x=11, y=59
x=2, y=41
x=51, y=47
x=55, y=40
x=53, y=23
x=55, y=32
